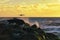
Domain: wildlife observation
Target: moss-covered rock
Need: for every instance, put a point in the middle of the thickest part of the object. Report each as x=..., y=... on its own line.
x=17, y=29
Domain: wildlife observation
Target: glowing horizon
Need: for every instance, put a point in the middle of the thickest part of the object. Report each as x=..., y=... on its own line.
x=30, y=8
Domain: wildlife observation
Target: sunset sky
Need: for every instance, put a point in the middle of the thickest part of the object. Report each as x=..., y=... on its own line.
x=30, y=8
